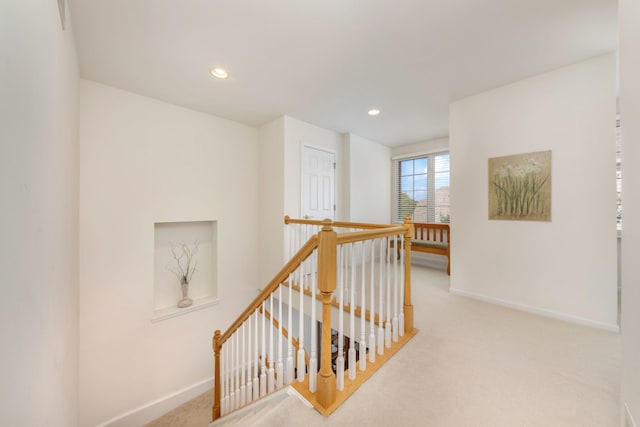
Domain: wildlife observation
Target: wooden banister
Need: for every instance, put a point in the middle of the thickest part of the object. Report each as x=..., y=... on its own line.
x=216, y=392
x=321, y=387
x=327, y=258
x=408, y=307
x=346, y=307
x=281, y=277
x=285, y=334
x=357, y=236
x=337, y=224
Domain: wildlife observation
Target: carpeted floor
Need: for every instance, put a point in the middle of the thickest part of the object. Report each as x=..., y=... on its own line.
x=195, y=413
x=471, y=364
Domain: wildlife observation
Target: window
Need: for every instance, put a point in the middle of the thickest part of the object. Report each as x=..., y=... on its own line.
x=422, y=188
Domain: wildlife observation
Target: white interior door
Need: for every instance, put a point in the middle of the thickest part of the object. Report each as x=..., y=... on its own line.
x=318, y=183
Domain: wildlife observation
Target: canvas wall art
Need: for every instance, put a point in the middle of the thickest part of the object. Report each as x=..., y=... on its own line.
x=520, y=187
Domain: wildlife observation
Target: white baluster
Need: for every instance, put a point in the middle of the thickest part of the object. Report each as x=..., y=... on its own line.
x=313, y=361
x=291, y=240
x=387, y=329
x=290, y=367
x=363, y=320
x=380, y=299
x=223, y=380
x=280, y=365
x=271, y=380
x=303, y=234
x=352, y=317
x=232, y=395
x=243, y=387
x=249, y=386
x=237, y=370
x=256, y=358
x=229, y=373
x=263, y=363
x=301, y=364
x=394, y=326
x=401, y=284
x=340, y=358
x=372, y=314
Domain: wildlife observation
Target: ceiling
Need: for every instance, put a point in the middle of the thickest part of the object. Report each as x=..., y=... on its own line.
x=328, y=62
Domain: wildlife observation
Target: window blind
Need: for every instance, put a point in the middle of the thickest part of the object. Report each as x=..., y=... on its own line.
x=422, y=188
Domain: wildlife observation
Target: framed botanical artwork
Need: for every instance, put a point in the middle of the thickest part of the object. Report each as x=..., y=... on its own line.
x=520, y=187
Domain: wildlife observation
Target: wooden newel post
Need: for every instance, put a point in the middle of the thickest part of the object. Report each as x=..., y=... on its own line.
x=327, y=255
x=216, y=387
x=408, y=307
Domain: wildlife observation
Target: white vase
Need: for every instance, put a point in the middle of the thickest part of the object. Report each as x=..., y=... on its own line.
x=185, y=301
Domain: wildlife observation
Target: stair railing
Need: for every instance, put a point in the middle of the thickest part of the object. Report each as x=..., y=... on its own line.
x=250, y=356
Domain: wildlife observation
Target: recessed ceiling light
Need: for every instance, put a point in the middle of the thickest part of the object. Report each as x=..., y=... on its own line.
x=373, y=112
x=220, y=73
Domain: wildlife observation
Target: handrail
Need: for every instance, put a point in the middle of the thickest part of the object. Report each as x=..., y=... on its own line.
x=326, y=242
x=340, y=224
x=346, y=307
x=357, y=236
x=279, y=278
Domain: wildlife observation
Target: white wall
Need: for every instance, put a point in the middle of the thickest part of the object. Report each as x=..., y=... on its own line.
x=280, y=159
x=271, y=206
x=368, y=183
x=38, y=218
x=144, y=161
x=430, y=146
x=296, y=135
x=630, y=120
x=564, y=268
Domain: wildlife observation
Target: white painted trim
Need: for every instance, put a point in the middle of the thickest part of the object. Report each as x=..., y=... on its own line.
x=293, y=392
x=629, y=421
x=539, y=311
x=319, y=148
x=420, y=154
x=152, y=410
x=170, y=312
x=304, y=145
x=257, y=408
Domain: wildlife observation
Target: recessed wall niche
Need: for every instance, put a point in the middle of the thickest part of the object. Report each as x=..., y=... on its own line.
x=203, y=284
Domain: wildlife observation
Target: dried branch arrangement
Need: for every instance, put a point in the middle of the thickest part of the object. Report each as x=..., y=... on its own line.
x=186, y=263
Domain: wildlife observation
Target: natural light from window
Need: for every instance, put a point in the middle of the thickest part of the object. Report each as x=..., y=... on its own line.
x=422, y=189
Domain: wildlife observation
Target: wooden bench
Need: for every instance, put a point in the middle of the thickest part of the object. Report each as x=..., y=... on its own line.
x=433, y=239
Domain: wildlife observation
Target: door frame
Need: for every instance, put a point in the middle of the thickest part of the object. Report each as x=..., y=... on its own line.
x=335, y=176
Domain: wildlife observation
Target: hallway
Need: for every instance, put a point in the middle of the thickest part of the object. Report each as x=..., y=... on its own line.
x=477, y=364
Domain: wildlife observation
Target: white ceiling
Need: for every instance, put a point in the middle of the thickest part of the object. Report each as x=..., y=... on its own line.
x=329, y=61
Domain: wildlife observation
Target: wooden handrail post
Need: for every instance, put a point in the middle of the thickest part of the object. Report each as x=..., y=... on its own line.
x=327, y=255
x=217, y=384
x=408, y=307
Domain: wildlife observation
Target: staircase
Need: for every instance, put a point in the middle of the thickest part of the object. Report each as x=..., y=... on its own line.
x=343, y=292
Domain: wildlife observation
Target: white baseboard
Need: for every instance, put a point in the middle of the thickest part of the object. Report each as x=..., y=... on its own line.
x=539, y=311
x=293, y=392
x=152, y=410
x=628, y=418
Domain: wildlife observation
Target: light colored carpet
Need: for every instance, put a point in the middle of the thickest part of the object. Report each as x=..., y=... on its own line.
x=195, y=413
x=477, y=364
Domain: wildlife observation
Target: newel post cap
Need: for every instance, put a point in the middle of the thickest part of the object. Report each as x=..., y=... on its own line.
x=216, y=340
